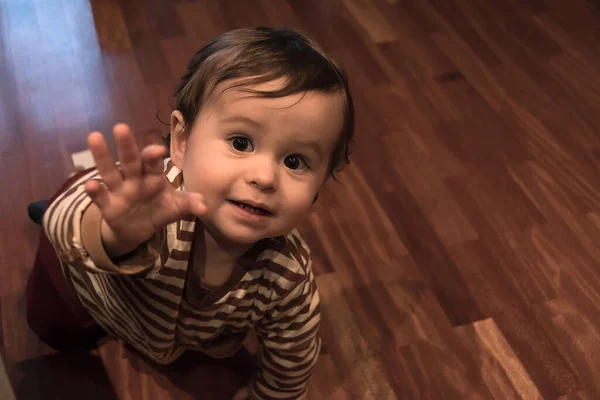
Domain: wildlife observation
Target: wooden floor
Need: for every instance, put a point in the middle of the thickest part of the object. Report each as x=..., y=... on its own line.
x=458, y=259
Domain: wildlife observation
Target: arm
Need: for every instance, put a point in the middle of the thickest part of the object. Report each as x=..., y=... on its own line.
x=290, y=345
x=114, y=219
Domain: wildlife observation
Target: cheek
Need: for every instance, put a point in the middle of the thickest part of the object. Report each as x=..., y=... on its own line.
x=205, y=172
x=299, y=199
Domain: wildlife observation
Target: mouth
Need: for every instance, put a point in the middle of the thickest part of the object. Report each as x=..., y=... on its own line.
x=252, y=208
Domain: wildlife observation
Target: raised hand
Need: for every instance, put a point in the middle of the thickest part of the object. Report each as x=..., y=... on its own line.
x=135, y=200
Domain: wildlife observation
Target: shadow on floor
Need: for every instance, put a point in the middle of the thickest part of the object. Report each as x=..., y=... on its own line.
x=68, y=375
x=199, y=375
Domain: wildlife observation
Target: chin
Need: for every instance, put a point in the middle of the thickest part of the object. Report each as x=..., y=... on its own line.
x=242, y=236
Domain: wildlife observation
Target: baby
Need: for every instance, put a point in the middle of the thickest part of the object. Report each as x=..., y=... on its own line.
x=191, y=250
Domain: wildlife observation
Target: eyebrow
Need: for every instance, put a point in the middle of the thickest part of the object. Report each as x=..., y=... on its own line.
x=313, y=145
x=240, y=118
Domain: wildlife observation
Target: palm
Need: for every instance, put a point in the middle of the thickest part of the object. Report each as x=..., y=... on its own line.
x=151, y=208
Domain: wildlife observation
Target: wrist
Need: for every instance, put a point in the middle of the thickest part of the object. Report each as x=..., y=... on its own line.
x=115, y=246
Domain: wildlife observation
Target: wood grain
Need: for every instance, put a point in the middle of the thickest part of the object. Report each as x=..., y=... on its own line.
x=458, y=256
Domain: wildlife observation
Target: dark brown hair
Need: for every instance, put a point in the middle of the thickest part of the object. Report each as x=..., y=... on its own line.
x=259, y=55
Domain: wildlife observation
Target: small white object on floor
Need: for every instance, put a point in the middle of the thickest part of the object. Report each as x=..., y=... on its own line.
x=83, y=160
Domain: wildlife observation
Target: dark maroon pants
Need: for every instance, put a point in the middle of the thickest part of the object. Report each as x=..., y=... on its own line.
x=54, y=312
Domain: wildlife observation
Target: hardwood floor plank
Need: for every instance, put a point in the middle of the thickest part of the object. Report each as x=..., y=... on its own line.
x=492, y=286
x=477, y=140
x=241, y=14
x=518, y=24
x=527, y=338
x=567, y=37
x=346, y=343
x=111, y=30
x=487, y=368
x=581, y=78
x=421, y=82
x=318, y=24
x=506, y=240
x=201, y=24
x=151, y=63
x=2, y=351
x=575, y=267
x=576, y=337
x=419, y=12
x=595, y=218
x=496, y=352
x=101, y=104
x=593, y=158
x=572, y=190
x=421, y=180
x=30, y=86
x=362, y=53
x=576, y=20
x=371, y=20
x=360, y=59
x=415, y=56
x=451, y=15
x=68, y=117
x=534, y=347
x=164, y=19
x=432, y=258
x=580, y=395
x=10, y=138
x=45, y=171
x=472, y=72
x=280, y=13
x=551, y=192
x=395, y=112
x=364, y=218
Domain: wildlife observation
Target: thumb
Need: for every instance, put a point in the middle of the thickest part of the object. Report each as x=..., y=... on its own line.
x=190, y=203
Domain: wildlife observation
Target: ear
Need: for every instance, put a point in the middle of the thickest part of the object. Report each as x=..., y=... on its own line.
x=179, y=138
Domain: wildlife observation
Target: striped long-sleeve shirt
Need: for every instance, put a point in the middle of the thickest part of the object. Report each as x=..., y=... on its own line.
x=142, y=299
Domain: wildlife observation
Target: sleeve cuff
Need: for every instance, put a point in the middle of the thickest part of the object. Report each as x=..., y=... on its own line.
x=139, y=260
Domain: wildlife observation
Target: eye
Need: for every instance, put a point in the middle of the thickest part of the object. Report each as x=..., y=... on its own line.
x=296, y=162
x=241, y=143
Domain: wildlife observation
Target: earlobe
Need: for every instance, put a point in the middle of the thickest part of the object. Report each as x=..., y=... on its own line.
x=178, y=138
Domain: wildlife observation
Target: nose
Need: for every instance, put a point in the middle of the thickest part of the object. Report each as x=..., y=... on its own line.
x=263, y=175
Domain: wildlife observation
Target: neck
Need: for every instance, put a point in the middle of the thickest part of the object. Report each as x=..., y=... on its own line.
x=217, y=250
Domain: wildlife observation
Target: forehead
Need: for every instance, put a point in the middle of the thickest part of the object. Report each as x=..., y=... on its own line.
x=313, y=115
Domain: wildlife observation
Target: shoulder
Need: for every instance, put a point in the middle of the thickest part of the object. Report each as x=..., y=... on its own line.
x=286, y=261
x=290, y=251
x=173, y=174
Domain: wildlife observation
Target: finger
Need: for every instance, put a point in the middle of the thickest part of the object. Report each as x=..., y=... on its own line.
x=128, y=152
x=180, y=204
x=98, y=193
x=104, y=161
x=152, y=159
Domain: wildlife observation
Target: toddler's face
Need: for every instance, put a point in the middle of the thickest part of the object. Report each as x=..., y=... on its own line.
x=258, y=162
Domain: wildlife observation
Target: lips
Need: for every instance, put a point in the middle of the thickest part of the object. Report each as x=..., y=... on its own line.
x=252, y=207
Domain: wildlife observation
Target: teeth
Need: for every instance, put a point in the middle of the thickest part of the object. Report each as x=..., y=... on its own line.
x=251, y=209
